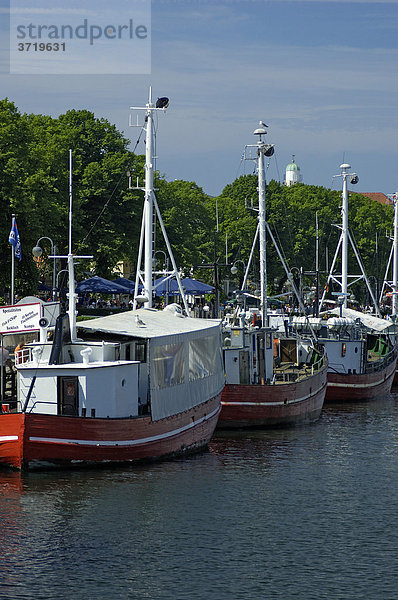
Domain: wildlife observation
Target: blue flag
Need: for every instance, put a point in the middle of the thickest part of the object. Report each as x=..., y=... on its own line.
x=15, y=240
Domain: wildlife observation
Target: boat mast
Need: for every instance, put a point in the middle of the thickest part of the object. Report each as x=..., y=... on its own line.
x=344, y=234
x=317, y=266
x=146, y=248
x=261, y=148
x=344, y=240
x=395, y=261
x=148, y=204
x=263, y=227
x=71, y=295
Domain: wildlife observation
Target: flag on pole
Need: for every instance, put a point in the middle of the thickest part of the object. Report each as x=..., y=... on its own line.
x=15, y=240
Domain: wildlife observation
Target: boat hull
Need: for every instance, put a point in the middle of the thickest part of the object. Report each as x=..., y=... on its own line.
x=395, y=380
x=29, y=440
x=347, y=387
x=280, y=405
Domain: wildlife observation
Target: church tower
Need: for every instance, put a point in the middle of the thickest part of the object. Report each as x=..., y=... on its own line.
x=293, y=174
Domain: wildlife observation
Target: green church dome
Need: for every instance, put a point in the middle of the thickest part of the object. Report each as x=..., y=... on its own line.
x=292, y=166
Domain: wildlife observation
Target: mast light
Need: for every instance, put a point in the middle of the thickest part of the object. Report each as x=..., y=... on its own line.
x=162, y=102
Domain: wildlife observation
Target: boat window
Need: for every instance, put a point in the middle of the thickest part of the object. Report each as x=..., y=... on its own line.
x=140, y=351
x=343, y=349
x=204, y=357
x=269, y=340
x=168, y=363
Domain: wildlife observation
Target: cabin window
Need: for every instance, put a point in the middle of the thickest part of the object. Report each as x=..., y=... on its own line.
x=140, y=351
x=168, y=365
x=204, y=357
x=68, y=396
x=343, y=349
x=268, y=340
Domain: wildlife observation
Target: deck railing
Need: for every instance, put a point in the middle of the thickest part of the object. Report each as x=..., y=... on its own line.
x=292, y=372
x=22, y=356
x=381, y=363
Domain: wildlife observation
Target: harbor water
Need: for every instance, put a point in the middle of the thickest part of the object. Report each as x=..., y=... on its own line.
x=307, y=513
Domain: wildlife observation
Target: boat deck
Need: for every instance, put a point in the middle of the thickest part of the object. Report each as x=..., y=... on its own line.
x=290, y=371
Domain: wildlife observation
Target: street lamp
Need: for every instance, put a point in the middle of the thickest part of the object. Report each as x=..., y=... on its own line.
x=234, y=268
x=37, y=252
x=166, y=260
x=59, y=273
x=300, y=276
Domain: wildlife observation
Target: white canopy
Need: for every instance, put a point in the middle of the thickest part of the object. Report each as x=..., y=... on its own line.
x=369, y=321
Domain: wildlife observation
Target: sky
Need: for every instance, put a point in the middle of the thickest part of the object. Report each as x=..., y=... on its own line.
x=321, y=74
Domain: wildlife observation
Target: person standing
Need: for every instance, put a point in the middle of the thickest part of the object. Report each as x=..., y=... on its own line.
x=5, y=361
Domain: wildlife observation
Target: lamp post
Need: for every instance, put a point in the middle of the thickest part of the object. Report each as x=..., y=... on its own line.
x=234, y=269
x=300, y=276
x=58, y=274
x=37, y=252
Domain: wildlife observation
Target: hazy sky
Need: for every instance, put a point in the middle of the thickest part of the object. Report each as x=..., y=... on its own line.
x=321, y=74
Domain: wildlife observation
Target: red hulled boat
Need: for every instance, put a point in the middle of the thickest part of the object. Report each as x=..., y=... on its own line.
x=292, y=394
x=269, y=382
x=141, y=384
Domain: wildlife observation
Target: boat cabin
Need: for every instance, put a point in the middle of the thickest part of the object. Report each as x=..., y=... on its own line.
x=120, y=366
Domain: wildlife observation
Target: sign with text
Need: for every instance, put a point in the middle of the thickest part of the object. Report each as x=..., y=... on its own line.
x=20, y=318
x=80, y=38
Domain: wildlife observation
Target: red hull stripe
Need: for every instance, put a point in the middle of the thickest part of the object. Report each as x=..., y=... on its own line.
x=153, y=438
x=283, y=403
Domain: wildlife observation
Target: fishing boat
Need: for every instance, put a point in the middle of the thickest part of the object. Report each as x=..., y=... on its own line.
x=361, y=353
x=360, y=348
x=141, y=385
x=392, y=284
x=272, y=380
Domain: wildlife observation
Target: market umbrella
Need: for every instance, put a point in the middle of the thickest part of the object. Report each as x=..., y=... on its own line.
x=127, y=283
x=100, y=285
x=191, y=286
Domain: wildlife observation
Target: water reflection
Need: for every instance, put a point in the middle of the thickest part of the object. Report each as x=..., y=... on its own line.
x=307, y=512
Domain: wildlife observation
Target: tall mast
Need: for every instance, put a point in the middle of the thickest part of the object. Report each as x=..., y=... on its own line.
x=71, y=270
x=146, y=248
x=317, y=266
x=344, y=233
x=395, y=261
x=72, y=296
x=344, y=240
x=262, y=150
x=262, y=226
x=148, y=203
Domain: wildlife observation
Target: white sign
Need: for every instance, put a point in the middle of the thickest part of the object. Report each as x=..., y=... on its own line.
x=20, y=317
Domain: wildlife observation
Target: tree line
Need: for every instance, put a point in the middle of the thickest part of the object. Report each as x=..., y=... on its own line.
x=34, y=185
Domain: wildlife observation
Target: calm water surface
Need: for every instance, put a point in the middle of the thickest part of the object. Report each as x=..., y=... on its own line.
x=309, y=513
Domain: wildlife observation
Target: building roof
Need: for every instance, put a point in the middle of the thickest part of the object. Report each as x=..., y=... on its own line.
x=377, y=197
x=292, y=166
